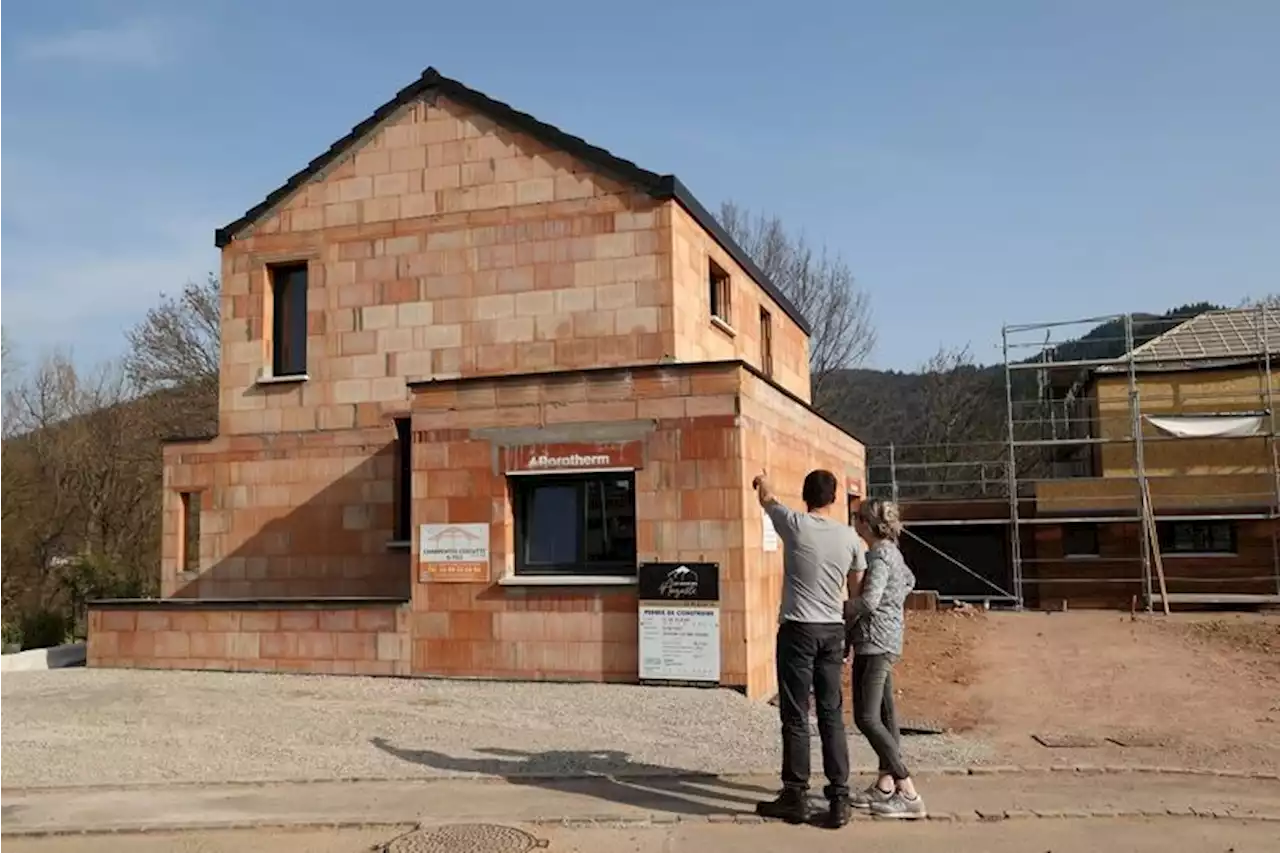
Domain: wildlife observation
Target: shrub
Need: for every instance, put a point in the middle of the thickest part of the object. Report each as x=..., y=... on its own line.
x=41, y=629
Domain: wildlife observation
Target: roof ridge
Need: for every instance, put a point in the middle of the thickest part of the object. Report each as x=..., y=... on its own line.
x=658, y=186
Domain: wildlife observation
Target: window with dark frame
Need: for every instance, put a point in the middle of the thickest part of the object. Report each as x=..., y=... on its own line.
x=718, y=281
x=288, y=319
x=766, y=343
x=1080, y=540
x=575, y=524
x=189, y=546
x=403, y=531
x=1197, y=537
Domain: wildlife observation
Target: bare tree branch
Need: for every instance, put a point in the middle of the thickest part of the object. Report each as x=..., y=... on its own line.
x=174, y=350
x=821, y=286
x=176, y=344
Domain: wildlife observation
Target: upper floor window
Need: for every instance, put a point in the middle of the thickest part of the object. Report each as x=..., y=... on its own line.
x=721, y=293
x=288, y=319
x=1197, y=537
x=766, y=343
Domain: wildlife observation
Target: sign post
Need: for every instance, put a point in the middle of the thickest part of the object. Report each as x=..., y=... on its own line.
x=680, y=624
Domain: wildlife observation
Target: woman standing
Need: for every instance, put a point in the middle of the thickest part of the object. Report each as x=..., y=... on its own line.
x=876, y=626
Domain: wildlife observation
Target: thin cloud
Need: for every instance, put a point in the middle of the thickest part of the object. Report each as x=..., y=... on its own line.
x=144, y=44
x=87, y=253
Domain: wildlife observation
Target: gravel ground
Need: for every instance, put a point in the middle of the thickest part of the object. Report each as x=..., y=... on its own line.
x=117, y=727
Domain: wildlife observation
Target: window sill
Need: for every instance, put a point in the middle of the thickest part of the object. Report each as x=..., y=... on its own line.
x=1213, y=555
x=399, y=544
x=291, y=379
x=567, y=580
x=723, y=326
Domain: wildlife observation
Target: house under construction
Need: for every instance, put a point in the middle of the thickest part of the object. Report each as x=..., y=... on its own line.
x=1147, y=478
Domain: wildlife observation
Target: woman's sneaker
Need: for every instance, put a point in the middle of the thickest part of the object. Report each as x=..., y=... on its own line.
x=872, y=795
x=900, y=807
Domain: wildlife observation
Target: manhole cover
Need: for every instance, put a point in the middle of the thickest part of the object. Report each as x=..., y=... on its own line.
x=465, y=838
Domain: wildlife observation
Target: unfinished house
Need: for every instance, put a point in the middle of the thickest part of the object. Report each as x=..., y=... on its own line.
x=461, y=331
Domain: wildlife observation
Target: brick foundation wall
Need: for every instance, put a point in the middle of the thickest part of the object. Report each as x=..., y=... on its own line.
x=291, y=515
x=336, y=639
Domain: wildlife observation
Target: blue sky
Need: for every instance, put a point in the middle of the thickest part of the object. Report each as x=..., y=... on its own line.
x=975, y=162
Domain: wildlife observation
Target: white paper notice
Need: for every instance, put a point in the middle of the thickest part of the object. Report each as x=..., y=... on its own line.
x=769, y=534
x=679, y=643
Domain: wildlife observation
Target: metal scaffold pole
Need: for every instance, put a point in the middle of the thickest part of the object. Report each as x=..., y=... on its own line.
x=1011, y=476
x=1139, y=458
x=1264, y=331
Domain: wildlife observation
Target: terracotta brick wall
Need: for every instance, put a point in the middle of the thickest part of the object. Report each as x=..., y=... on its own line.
x=370, y=640
x=287, y=515
x=698, y=339
x=446, y=246
x=686, y=491
x=788, y=441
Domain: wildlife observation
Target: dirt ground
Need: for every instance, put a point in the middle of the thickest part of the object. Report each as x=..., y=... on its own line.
x=1199, y=690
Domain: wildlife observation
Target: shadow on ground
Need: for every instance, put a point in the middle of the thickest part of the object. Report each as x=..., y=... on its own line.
x=605, y=774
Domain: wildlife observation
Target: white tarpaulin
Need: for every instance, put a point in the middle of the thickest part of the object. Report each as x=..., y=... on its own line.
x=1209, y=426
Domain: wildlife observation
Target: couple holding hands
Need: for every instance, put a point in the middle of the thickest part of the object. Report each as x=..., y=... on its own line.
x=843, y=594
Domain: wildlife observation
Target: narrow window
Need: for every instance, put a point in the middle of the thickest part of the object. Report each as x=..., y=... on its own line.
x=1080, y=540
x=575, y=524
x=289, y=320
x=1197, y=537
x=189, y=536
x=766, y=343
x=718, y=281
x=404, y=481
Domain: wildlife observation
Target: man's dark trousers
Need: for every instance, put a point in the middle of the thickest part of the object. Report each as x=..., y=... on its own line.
x=810, y=662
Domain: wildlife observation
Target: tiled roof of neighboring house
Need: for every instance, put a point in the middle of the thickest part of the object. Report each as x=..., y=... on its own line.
x=1237, y=333
x=661, y=187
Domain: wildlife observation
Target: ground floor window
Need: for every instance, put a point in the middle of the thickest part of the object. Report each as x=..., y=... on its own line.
x=1197, y=537
x=575, y=524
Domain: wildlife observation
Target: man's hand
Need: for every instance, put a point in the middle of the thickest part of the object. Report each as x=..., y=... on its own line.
x=761, y=485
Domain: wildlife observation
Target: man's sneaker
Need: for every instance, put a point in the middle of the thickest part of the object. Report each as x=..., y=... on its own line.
x=838, y=814
x=872, y=795
x=791, y=806
x=900, y=807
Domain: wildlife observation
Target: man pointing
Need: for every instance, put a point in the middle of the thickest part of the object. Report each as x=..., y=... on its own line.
x=821, y=557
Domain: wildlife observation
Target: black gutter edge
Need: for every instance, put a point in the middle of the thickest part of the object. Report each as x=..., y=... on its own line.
x=643, y=367
x=661, y=187
x=188, y=439
x=245, y=603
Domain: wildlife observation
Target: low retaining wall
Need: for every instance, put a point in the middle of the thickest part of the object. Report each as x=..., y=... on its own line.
x=321, y=636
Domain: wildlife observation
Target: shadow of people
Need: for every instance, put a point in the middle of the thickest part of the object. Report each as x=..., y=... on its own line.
x=604, y=774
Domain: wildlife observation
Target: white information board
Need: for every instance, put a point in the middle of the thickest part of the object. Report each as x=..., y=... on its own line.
x=769, y=534
x=679, y=642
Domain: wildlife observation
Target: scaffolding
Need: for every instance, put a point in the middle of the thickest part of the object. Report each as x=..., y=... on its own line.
x=1087, y=446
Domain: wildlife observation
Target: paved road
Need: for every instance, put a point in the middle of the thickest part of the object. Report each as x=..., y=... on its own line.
x=1187, y=835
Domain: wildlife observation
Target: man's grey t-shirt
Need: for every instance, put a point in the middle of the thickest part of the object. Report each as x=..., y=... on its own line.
x=817, y=556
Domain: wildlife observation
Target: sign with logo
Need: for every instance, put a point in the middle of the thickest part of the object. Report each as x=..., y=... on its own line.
x=453, y=552
x=558, y=458
x=680, y=623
